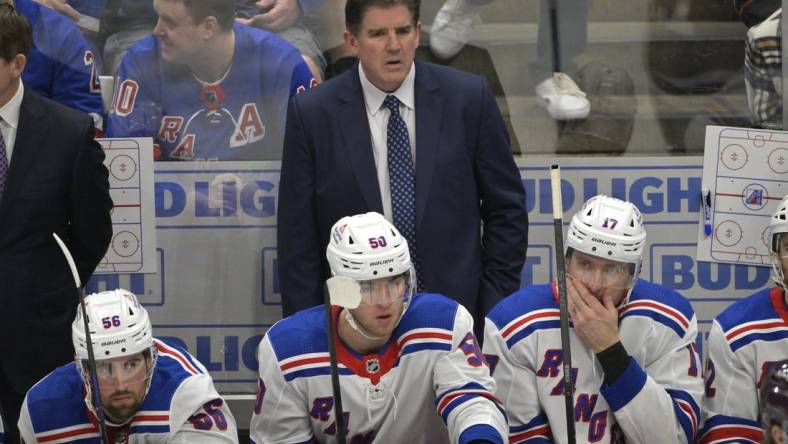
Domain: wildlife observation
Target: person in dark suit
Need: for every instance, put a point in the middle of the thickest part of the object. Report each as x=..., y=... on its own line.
x=349, y=148
x=52, y=179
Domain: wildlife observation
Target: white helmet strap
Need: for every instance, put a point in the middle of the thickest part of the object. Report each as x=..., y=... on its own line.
x=361, y=330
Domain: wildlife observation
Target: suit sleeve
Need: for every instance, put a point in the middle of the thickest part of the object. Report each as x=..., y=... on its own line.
x=199, y=415
x=90, y=227
x=280, y=413
x=730, y=404
x=505, y=221
x=464, y=389
x=515, y=386
x=300, y=254
x=661, y=399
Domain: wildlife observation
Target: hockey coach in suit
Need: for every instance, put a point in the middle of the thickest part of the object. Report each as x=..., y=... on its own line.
x=52, y=179
x=425, y=145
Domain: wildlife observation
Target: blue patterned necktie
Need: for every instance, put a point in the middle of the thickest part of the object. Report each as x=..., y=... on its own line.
x=3, y=162
x=402, y=180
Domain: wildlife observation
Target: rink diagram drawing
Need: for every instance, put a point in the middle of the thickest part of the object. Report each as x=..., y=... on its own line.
x=133, y=242
x=745, y=172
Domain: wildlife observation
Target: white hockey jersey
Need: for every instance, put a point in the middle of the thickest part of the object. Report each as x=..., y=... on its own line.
x=182, y=406
x=744, y=341
x=656, y=400
x=429, y=377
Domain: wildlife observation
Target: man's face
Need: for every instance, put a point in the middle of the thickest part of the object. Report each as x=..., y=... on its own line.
x=181, y=39
x=782, y=250
x=386, y=43
x=123, y=382
x=382, y=304
x=601, y=276
x=10, y=72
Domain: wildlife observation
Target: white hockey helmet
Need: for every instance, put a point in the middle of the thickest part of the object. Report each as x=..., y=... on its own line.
x=364, y=248
x=778, y=225
x=609, y=228
x=119, y=326
x=367, y=246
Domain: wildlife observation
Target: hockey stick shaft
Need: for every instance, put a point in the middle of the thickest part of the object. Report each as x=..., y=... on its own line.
x=332, y=353
x=555, y=35
x=91, y=357
x=555, y=182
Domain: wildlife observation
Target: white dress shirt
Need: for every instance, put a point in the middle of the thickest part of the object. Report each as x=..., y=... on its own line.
x=9, y=120
x=378, y=116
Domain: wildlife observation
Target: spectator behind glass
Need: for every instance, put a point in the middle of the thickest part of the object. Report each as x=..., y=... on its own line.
x=763, y=73
x=556, y=92
x=61, y=66
x=205, y=87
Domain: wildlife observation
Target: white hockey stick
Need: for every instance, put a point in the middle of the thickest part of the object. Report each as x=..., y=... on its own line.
x=558, y=226
x=91, y=359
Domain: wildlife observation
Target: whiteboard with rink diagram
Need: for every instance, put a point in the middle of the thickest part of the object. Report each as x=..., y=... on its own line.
x=133, y=245
x=746, y=174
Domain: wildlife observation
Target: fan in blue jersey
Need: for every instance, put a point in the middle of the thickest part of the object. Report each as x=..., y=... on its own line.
x=745, y=340
x=410, y=368
x=205, y=87
x=774, y=404
x=61, y=66
x=150, y=391
x=635, y=367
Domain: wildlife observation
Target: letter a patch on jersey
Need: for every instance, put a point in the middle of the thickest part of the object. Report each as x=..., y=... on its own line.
x=250, y=127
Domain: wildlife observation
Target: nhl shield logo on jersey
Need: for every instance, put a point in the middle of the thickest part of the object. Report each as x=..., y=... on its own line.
x=373, y=365
x=122, y=436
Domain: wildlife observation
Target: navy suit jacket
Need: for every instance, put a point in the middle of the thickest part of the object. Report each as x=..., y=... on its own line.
x=466, y=179
x=56, y=183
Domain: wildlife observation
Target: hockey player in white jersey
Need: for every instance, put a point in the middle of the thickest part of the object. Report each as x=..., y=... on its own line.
x=774, y=404
x=151, y=392
x=744, y=341
x=636, y=371
x=410, y=368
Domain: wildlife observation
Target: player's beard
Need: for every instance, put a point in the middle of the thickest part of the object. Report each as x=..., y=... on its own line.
x=120, y=406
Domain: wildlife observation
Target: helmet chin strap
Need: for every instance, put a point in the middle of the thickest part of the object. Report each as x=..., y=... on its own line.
x=362, y=331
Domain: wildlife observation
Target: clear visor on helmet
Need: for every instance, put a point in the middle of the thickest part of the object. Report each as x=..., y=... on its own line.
x=122, y=371
x=598, y=272
x=350, y=293
x=386, y=290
